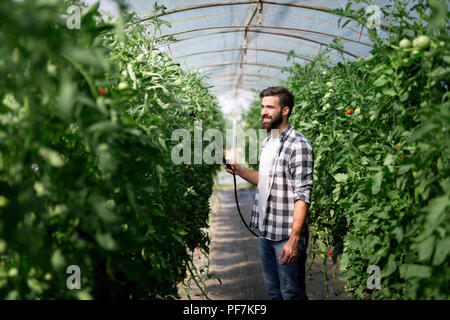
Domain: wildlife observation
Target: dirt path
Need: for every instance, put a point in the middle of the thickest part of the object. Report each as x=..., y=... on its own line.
x=234, y=256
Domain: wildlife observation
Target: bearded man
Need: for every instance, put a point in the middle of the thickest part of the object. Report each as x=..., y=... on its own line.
x=284, y=181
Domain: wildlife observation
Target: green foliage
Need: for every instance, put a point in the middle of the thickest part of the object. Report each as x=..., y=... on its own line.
x=86, y=176
x=381, y=180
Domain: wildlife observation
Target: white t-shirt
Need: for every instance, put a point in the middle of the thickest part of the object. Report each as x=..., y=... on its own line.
x=266, y=160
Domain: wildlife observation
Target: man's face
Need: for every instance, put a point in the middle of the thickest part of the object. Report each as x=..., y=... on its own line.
x=271, y=117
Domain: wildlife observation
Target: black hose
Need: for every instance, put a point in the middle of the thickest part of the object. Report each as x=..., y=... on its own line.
x=237, y=205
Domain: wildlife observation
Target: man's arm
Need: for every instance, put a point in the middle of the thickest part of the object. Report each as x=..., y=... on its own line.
x=301, y=168
x=290, y=249
x=300, y=214
x=244, y=173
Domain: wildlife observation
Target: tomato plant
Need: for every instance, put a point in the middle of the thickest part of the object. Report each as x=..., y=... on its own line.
x=380, y=131
x=86, y=176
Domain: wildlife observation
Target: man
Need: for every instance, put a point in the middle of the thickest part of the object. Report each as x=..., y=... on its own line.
x=284, y=181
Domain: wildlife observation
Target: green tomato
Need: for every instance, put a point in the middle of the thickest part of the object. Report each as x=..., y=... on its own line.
x=52, y=69
x=421, y=42
x=2, y=246
x=405, y=43
x=13, y=272
x=329, y=83
x=122, y=86
x=3, y=201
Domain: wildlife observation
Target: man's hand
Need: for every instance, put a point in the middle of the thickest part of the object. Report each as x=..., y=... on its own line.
x=233, y=165
x=244, y=173
x=289, y=252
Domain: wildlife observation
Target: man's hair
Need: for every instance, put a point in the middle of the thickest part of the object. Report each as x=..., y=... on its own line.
x=284, y=95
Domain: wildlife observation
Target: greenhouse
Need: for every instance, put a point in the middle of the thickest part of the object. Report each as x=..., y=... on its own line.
x=244, y=45
x=224, y=150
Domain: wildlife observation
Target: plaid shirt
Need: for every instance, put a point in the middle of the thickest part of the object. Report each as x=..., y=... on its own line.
x=290, y=179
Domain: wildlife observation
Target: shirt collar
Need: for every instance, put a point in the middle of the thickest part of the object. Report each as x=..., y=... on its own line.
x=283, y=135
x=286, y=132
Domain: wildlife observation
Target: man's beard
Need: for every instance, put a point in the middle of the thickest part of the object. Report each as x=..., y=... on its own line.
x=274, y=124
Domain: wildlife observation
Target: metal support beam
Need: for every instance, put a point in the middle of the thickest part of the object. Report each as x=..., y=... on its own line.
x=272, y=27
x=244, y=75
x=236, y=63
x=271, y=33
x=300, y=56
x=259, y=14
x=244, y=46
x=360, y=33
x=210, y=5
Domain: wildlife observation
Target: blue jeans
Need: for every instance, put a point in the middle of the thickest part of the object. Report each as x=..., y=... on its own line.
x=283, y=282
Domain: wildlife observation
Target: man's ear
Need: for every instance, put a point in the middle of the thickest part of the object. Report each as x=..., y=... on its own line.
x=285, y=111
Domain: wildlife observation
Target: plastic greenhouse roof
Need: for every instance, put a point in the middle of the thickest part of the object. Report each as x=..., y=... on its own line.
x=243, y=45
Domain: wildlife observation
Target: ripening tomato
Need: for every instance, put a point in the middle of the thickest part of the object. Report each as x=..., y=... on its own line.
x=101, y=91
x=350, y=111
